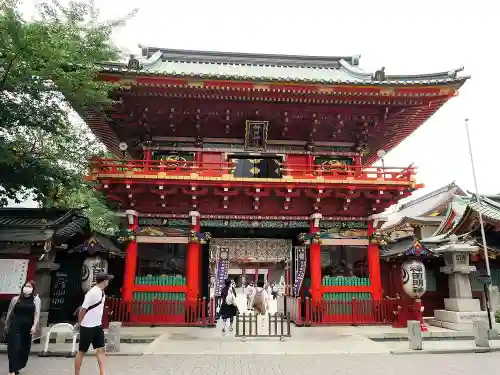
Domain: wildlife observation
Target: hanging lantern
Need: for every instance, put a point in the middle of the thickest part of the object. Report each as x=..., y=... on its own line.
x=91, y=267
x=414, y=278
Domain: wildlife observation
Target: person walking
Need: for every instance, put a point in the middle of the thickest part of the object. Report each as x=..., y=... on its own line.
x=260, y=302
x=229, y=308
x=274, y=291
x=90, y=323
x=20, y=325
x=249, y=291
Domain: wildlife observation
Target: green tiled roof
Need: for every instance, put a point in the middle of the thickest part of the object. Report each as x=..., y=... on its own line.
x=489, y=208
x=258, y=67
x=38, y=225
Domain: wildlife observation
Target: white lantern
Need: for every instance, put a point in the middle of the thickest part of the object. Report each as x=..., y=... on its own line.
x=414, y=278
x=91, y=267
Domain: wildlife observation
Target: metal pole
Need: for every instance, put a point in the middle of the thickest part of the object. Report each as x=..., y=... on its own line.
x=481, y=222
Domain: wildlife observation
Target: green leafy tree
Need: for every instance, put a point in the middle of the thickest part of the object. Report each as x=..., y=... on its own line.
x=47, y=67
x=102, y=219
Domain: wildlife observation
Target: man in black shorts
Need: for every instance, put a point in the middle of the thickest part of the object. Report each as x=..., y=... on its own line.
x=90, y=323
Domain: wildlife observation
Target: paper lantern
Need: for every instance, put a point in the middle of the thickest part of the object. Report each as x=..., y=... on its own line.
x=414, y=278
x=91, y=267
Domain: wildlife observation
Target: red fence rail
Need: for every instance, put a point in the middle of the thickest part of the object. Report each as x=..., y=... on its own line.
x=103, y=167
x=202, y=312
x=350, y=312
x=161, y=312
x=355, y=312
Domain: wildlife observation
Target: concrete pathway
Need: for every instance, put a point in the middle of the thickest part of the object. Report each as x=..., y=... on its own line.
x=304, y=340
x=313, y=364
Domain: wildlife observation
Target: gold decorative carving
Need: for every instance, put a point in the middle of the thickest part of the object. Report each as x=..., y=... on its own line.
x=254, y=249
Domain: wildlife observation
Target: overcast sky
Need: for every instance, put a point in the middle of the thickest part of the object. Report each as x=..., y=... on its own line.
x=404, y=36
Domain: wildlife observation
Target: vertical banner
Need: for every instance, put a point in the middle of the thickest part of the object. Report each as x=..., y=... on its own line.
x=300, y=269
x=222, y=269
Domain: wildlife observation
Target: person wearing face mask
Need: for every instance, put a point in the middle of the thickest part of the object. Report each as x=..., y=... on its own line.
x=20, y=325
x=90, y=323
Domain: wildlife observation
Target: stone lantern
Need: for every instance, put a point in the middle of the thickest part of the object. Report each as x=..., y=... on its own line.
x=460, y=310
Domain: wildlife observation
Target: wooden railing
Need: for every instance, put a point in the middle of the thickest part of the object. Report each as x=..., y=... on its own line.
x=350, y=171
x=141, y=168
x=169, y=167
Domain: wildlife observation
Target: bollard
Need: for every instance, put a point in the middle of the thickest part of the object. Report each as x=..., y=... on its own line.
x=114, y=337
x=481, y=328
x=414, y=335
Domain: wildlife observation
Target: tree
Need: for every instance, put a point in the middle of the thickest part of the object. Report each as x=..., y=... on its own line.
x=47, y=67
x=101, y=218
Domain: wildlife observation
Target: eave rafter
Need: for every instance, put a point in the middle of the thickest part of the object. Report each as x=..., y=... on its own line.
x=299, y=200
x=402, y=109
x=225, y=191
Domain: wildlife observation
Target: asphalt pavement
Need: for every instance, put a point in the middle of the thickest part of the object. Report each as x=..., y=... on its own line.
x=260, y=364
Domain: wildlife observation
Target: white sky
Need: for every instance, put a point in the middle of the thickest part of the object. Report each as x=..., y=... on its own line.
x=404, y=36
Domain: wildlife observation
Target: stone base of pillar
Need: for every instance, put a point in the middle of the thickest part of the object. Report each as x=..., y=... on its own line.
x=462, y=304
x=459, y=314
x=459, y=320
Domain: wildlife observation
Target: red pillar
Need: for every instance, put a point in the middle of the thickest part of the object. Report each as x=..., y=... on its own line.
x=148, y=154
x=315, y=260
x=130, y=257
x=193, y=260
x=374, y=265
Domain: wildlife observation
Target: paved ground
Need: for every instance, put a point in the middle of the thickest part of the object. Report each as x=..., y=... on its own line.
x=317, y=364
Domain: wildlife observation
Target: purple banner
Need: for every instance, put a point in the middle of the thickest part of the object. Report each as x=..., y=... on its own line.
x=300, y=269
x=222, y=269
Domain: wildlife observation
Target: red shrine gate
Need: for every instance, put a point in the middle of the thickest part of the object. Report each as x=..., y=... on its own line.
x=239, y=145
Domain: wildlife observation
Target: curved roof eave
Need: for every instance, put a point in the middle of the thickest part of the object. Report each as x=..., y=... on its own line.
x=362, y=74
x=266, y=67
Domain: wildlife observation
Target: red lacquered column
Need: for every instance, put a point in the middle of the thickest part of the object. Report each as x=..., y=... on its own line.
x=315, y=260
x=374, y=265
x=130, y=257
x=193, y=260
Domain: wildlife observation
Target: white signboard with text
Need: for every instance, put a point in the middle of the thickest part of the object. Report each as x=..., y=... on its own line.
x=13, y=273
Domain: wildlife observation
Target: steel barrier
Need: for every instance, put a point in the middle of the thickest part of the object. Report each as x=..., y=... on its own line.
x=70, y=354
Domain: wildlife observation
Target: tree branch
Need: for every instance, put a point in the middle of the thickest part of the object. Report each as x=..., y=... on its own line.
x=8, y=68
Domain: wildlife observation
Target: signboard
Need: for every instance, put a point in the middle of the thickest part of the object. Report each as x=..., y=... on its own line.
x=13, y=273
x=222, y=269
x=59, y=290
x=300, y=269
x=414, y=278
x=256, y=135
x=91, y=267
